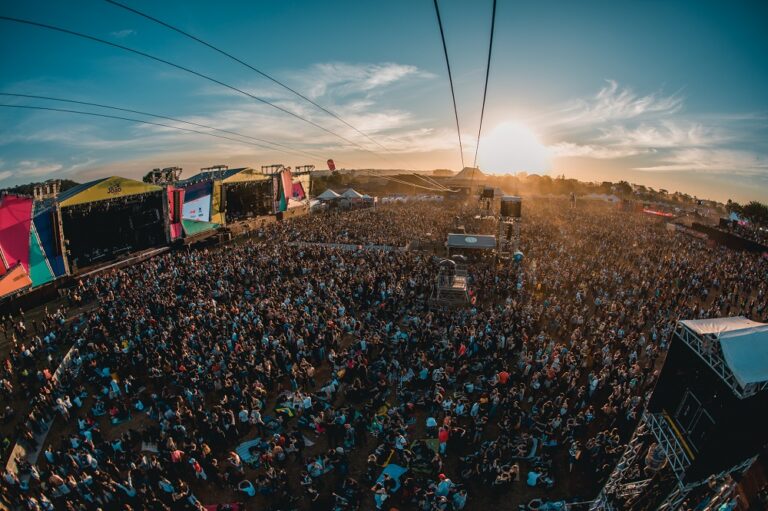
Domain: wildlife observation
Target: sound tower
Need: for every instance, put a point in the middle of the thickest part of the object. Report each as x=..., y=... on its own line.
x=716, y=428
x=177, y=206
x=705, y=417
x=511, y=206
x=56, y=228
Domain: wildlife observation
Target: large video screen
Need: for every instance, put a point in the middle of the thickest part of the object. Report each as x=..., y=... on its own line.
x=197, y=202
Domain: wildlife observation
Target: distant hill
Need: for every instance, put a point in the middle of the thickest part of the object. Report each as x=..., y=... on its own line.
x=442, y=172
x=27, y=189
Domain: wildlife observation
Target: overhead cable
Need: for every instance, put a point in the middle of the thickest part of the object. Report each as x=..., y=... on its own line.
x=182, y=68
x=249, y=66
x=140, y=121
x=199, y=125
x=485, y=88
x=450, y=80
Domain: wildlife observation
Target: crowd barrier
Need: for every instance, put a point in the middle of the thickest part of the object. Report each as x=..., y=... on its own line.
x=730, y=240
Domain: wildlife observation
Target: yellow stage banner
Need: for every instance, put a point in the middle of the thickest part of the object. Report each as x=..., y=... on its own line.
x=217, y=215
x=247, y=174
x=110, y=188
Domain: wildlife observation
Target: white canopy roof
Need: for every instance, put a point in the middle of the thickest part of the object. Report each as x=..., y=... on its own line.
x=717, y=326
x=744, y=343
x=328, y=195
x=351, y=194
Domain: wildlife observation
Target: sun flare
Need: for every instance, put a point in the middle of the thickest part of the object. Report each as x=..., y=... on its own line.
x=513, y=147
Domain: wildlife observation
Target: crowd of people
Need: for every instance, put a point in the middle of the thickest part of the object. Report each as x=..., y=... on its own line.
x=272, y=375
x=751, y=232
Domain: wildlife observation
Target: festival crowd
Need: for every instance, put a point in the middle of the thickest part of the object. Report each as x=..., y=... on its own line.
x=268, y=375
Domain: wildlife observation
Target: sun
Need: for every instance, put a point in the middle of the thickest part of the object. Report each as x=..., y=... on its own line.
x=513, y=147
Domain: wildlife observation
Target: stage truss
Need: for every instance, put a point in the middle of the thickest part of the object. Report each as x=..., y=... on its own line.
x=658, y=426
x=707, y=347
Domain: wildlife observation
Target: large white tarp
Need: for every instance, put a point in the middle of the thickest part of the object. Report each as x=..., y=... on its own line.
x=744, y=343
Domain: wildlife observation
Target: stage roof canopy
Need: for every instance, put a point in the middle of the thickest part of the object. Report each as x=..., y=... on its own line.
x=105, y=188
x=15, y=280
x=246, y=174
x=744, y=343
x=475, y=241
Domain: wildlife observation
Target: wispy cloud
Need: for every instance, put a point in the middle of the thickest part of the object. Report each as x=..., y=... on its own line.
x=665, y=133
x=5, y=174
x=651, y=132
x=341, y=79
x=614, y=102
x=36, y=168
x=715, y=161
x=357, y=92
x=122, y=34
x=570, y=149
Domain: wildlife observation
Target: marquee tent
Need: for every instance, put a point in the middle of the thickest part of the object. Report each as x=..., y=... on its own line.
x=328, y=195
x=29, y=248
x=352, y=194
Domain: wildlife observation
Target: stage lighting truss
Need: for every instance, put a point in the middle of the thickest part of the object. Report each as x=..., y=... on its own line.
x=659, y=427
x=707, y=347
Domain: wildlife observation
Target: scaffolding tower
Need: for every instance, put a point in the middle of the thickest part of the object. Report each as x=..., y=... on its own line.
x=618, y=488
x=508, y=227
x=628, y=484
x=451, y=284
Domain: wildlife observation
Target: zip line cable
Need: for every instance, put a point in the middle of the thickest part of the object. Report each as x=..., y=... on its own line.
x=450, y=80
x=49, y=98
x=434, y=183
x=485, y=89
x=140, y=121
x=239, y=61
x=182, y=68
x=428, y=181
x=401, y=181
x=408, y=183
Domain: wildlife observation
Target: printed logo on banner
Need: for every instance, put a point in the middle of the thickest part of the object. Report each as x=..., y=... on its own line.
x=198, y=209
x=114, y=189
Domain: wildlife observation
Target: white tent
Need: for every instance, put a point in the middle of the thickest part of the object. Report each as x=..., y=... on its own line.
x=351, y=194
x=601, y=196
x=328, y=195
x=744, y=343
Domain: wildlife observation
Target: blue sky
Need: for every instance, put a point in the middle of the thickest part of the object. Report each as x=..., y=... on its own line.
x=670, y=94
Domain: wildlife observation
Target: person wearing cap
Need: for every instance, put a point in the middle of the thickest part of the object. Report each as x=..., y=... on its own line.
x=443, y=486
